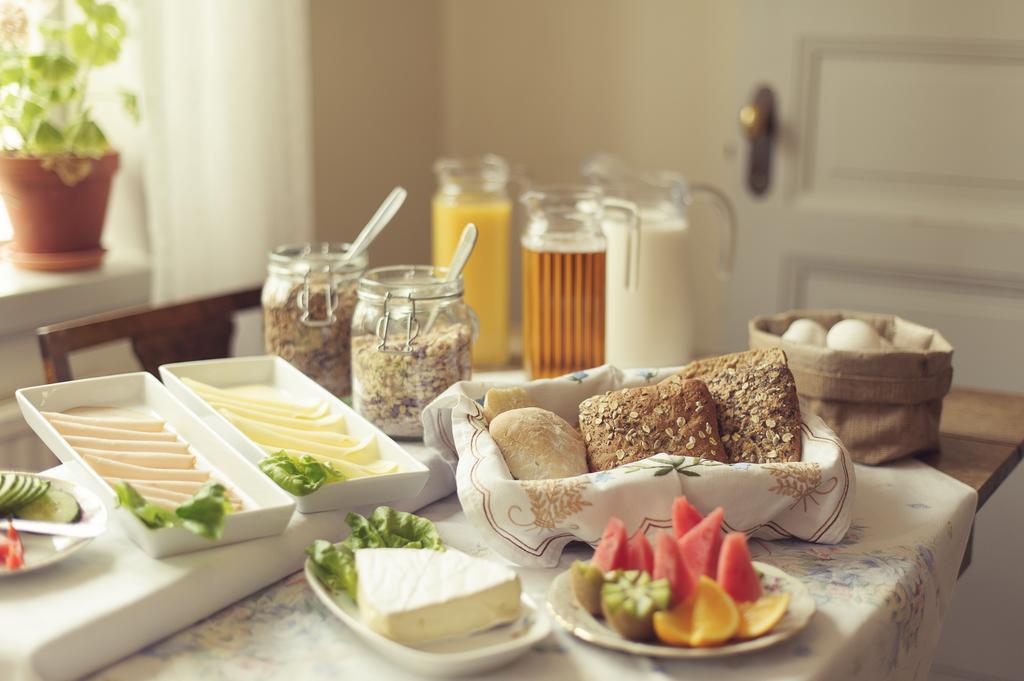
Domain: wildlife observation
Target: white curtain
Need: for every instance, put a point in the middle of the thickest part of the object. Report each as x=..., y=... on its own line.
x=228, y=156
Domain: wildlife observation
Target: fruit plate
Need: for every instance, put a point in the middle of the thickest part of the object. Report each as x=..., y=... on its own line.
x=275, y=372
x=45, y=550
x=460, y=656
x=567, y=612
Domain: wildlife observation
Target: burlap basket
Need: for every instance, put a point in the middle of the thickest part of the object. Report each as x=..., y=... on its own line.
x=883, y=404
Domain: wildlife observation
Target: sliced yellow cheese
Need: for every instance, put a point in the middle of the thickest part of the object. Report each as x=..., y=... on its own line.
x=332, y=423
x=326, y=438
x=279, y=407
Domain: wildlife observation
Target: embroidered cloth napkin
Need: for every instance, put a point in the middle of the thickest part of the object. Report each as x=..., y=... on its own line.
x=530, y=522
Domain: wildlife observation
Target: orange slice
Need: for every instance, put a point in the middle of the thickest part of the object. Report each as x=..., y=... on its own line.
x=761, y=616
x=675, y=627
x=708, y=618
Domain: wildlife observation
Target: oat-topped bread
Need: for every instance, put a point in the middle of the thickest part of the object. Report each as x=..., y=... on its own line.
x=755, y=396
x=628, y=425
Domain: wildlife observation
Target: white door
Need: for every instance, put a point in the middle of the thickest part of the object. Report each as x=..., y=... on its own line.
x=897, y=185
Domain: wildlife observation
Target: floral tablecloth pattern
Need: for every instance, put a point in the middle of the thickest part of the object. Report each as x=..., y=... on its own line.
x=881, y=594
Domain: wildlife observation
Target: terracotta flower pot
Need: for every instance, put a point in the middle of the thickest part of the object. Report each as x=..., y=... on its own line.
x=57, y=208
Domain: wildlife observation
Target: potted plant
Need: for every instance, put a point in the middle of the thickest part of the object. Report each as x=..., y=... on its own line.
x=56, y=166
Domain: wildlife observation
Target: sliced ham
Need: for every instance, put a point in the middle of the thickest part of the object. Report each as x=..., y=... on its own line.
x=72, y=428
x=188, y=487
x=116, y=469
x=111, y=418
x=126, y=445
x=147, y=459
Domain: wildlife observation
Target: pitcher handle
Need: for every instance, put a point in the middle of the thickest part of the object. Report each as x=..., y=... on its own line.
x=727, y=249
x=632, y=213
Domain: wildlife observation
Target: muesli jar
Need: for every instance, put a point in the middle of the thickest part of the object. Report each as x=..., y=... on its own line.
x=412, y=334
x=308, y=301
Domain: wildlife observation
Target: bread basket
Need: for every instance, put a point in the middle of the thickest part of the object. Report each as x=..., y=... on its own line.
x=884, y=404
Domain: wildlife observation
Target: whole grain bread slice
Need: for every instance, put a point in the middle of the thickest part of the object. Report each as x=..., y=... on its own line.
x=755, y=397
x=628, y=425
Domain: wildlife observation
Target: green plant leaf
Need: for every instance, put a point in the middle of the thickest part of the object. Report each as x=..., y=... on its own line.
x=53, y=69
x=87, y=139
x=106, y=14
x=46, y=139
x=130, y=102
x=11, y=71
x=53, y=33
x=29, y=118
x=80, y=41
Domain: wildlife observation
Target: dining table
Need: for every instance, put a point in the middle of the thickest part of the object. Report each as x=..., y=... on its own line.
x=881, y=593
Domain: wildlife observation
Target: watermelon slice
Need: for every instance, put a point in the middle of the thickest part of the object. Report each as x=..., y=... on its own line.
x=684, y=517
x=700, y=546
x=639, y=554
x=669, y=564
x=611, y=551
x=736, y=573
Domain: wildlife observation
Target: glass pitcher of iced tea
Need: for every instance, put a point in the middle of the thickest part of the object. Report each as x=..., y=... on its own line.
x=564, y=277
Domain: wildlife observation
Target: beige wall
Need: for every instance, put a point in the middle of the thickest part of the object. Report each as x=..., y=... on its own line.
x=542, y=83
x=376, y=118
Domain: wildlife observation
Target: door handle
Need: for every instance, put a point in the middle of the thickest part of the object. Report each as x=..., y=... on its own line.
x=757, y=121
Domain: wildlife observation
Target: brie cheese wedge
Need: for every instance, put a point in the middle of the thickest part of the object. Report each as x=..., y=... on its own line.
x=420, y=595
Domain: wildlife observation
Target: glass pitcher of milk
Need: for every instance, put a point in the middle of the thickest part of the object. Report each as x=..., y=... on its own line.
x=649, y=313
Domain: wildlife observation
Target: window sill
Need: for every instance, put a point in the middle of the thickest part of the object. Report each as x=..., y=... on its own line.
x=32, y=299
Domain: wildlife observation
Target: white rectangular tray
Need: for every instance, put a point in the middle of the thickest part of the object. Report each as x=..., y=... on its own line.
x=275, y=372
x=266, y=510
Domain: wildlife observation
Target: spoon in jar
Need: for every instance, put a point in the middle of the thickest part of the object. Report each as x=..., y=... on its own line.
x=377, y=223
x=458, y=262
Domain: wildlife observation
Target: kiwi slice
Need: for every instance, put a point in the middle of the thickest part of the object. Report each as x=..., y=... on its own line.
x=587, y=581
x=629, y=602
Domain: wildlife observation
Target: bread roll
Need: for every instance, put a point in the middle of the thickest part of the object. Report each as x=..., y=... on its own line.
x=632, y=424
x=500, y=400
x=538, y=444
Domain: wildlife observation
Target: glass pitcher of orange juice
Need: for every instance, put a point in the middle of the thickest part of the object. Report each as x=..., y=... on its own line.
x=476, y=190
x=564, y=277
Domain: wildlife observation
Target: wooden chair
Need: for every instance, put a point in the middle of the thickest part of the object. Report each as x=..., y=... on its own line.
x=198, y=329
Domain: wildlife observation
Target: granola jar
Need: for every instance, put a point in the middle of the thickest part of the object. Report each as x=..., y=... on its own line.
x=308, y=300
x=412, y=336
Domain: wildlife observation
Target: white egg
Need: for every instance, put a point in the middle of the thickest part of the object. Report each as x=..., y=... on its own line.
x=853, y=334
x=806, y=331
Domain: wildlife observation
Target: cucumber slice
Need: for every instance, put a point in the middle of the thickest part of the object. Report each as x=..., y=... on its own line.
x=56, y=506
x=16, y=491
x=7, y=482
x=24, y=490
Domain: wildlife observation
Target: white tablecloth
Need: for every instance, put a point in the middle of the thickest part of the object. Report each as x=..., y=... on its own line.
x=882, y=595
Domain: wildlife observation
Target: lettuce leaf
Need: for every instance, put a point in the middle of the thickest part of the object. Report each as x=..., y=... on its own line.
x=335, y=564
x=299, y=475
x=203, y=514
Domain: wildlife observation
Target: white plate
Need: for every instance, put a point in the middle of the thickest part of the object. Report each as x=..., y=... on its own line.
x=44, y=550
x=471, y=654
x=567, y=612
x=266, y=508
x=275, y=372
